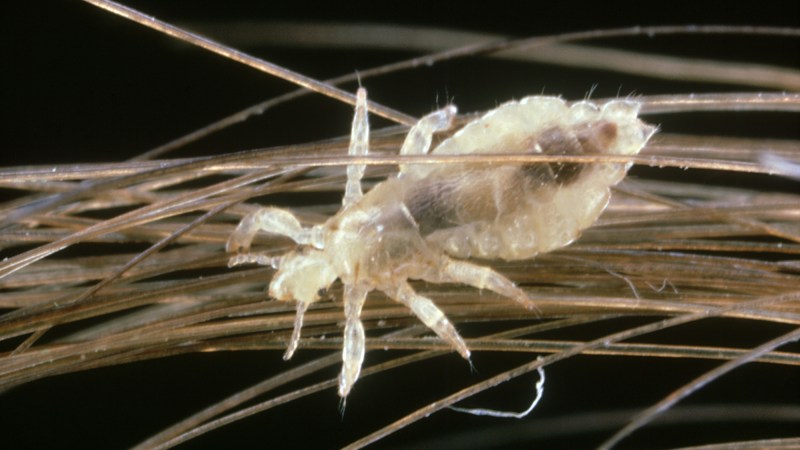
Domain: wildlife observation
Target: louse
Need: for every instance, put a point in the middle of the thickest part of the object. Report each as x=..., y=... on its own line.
x=423, y=223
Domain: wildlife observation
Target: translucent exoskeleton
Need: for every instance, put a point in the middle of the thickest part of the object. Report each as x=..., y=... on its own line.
x=414, y=225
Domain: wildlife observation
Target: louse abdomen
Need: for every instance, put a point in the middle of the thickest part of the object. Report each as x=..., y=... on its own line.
x=513, y=211
x=592, y=138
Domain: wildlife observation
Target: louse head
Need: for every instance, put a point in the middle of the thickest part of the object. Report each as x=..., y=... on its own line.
x=302, y=275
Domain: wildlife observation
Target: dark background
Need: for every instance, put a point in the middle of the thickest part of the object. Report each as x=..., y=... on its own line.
x=81, y=85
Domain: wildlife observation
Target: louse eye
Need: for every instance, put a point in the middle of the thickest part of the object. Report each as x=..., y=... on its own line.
x=322, y=293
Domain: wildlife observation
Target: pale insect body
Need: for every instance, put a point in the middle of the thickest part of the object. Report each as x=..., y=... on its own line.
x=410, y=226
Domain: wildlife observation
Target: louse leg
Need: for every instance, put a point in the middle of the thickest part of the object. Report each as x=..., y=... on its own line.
x=482, y=278
x=418, y=140
x=272, y=220
x=430, y=315
x=255, y=258
x=298, y=325
x=359, y=146
x=354, y=339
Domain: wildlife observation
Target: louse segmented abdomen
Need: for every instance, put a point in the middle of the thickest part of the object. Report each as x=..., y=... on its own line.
x=514, y=211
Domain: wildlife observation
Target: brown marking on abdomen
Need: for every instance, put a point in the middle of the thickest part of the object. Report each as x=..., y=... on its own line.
x=587, y=139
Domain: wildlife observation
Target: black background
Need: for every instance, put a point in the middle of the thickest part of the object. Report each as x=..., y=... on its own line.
x=81, y=85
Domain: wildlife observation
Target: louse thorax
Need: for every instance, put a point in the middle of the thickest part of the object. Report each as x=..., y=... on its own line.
x=375, y=239
x=514, y=211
